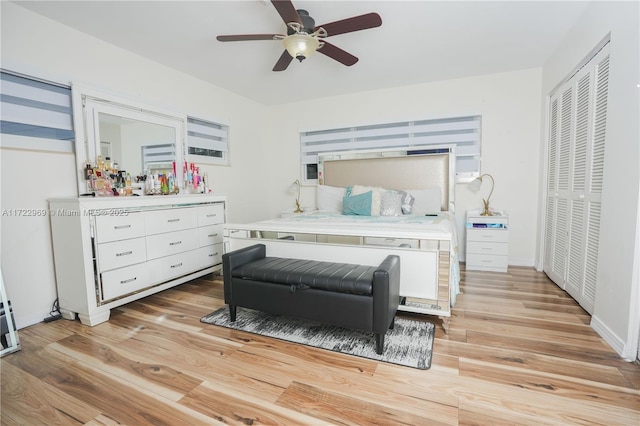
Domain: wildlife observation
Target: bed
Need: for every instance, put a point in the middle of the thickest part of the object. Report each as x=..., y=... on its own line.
x=421, y=229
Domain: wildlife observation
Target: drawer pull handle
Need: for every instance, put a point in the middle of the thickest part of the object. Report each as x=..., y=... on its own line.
x=175, y=243
x=213, y=235
x=173, y=220
x=177, y=265
x=129, y=280
x=122, y=227
x=212, y=215
x=125, y=253
x=213, y=254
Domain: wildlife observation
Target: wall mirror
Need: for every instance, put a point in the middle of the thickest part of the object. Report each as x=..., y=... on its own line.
x=138, y=137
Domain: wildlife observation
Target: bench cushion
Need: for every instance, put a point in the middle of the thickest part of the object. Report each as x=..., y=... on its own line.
x=330, y=276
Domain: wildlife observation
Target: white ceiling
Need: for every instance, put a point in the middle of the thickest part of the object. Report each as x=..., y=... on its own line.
x=418, y=42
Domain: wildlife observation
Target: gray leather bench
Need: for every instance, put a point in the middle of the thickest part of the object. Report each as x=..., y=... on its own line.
x=346, y=295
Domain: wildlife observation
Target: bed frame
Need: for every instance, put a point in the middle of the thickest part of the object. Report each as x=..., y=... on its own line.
x=425, y=257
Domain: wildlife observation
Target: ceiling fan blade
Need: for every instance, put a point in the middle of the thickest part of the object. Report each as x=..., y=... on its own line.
x=357, y=23
x=246, y=37
x=287, y=11
x=338, y=54
x=283, y=62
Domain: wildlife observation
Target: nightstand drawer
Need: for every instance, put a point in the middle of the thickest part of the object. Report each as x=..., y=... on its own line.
x=481, y=247
x=487, y=262
x=488, y=235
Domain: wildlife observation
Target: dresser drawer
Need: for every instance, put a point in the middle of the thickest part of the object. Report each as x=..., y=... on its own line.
x=167, y=268
x=391, y=242
x=211, y=214
x=488, y=235
x=120, y=282
x=168, y=220
x=487, y=262
x=119, y=227
x=481, y=247
x=210, y=255
x=118, y=254
x=210, y=235
x=169, y=243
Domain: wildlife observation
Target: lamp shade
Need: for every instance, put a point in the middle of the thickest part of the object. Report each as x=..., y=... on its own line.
x=301, y=45
x=475, y=185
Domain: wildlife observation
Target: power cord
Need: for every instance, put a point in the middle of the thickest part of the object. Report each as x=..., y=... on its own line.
x=54, y=314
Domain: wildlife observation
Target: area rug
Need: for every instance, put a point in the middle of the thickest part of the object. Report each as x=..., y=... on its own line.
x=409, y=343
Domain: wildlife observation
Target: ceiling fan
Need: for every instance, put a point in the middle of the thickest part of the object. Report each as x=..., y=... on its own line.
x=304, y=37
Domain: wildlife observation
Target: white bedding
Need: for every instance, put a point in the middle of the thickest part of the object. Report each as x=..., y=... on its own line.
x=440, y=226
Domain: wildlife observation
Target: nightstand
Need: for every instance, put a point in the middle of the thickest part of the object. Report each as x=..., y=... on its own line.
x=487, y=241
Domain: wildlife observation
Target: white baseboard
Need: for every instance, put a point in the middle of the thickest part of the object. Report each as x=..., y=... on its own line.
x=521, y=261
x=613, y=340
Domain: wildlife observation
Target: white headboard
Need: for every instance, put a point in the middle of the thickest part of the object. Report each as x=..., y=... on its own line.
x=417, y=168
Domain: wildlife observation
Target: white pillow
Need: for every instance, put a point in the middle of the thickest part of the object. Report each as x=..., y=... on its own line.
x=329, y=197
x=426, y=200
x=376, y=198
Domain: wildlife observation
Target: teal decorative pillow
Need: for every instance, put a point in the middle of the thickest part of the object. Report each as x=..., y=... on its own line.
x=357, y=204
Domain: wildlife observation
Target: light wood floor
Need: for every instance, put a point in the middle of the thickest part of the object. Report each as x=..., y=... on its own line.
x=520, y=351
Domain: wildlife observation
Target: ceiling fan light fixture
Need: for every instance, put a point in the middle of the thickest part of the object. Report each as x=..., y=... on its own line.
x=301, y=45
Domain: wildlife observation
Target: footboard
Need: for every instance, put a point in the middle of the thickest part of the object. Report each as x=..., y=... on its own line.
x=424, y=280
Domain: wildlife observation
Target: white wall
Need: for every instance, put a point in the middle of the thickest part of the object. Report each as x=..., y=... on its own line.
x=510, y=107
x=28, y=179
x=37, y=46
x=616, y=306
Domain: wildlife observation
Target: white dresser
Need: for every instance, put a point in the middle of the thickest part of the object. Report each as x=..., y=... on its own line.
x=487, y=242
x=114, y=250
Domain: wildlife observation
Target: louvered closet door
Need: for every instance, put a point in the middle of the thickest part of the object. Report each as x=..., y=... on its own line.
x=558, y=184
x=575, y=173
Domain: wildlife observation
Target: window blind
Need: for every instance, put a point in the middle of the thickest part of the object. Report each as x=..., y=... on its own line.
x=158, y=157
x=207, y=139
x=463, y=132
x=37, y=113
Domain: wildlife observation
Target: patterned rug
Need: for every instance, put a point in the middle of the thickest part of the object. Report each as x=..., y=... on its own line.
x=409, y=343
